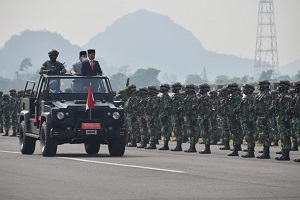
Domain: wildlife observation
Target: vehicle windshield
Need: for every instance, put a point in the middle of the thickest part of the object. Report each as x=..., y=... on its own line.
x=76, y=85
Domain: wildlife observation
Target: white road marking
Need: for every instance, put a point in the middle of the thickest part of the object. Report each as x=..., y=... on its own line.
x=107, y=163
x=10, y=152
x=123, y=165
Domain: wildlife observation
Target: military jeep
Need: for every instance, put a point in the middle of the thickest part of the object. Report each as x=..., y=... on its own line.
x=55, y=113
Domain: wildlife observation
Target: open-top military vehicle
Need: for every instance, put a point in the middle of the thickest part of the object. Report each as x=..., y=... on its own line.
x=55, y=113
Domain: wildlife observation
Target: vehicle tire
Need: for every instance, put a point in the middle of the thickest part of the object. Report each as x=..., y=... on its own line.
x=48, y=144
x=92, y=146
x=27, y=144
x=116, y=146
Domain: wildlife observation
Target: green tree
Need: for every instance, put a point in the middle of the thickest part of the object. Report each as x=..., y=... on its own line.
x=193, y=79
x=266, y=75
x=221, y=79
x=245, y=79
x=25, y=64
x=297, y=76
x=235, y=80
x=145, y=77
x=118, y=81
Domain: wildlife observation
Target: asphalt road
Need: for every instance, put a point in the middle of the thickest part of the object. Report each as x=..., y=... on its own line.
x=143, y=174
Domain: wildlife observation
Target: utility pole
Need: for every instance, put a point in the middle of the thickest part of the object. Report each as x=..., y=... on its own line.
x=266, y=54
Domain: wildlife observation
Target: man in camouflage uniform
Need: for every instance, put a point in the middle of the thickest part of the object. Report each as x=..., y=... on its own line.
x=152, y=111
x=52, y=67
x=275, y=134
x=293, y=134
x=262, y=111
x=142, y=117
x=214, y=118
x=295, y=111
x=223, y=111
x=247, y=118
x=131, y=114
x=1, y=120
x=14, y=108
x=283, y=118
x=20, y=96
x=177, y=117
x=190, y=116
x=5, y=113
x=165, y=115
x=233, y=118
x=204, y=116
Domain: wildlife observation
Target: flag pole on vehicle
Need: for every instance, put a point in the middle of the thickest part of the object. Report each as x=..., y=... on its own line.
x=90, y=101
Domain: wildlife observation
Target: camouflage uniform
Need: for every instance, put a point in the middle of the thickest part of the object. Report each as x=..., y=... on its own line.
x=190, y=116
x=177, y=117
x=165, y=115
x=214, y=118
x=233, y=118
x=262, y=111
x=247, y=118
x=223, y=111
x=20, y=108
x=151, y=111
x=131, y=114
x=5, y=113
x=293, y=132
x=13, y=108
x=1, y=120
x=295, y=111
x=204, y=116
x=142, y=117
x=52, y=67
x=274, y=130
x=283, y=119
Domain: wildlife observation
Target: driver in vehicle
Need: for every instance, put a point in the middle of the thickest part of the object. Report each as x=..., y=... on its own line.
x=53, y=87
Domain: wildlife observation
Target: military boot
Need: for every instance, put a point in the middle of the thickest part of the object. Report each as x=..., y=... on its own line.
x=206, y=150
x=178, y=146
x=297, y=160
x=1, y=130
x=166, y=145
x=156, y=141
x=226, y=146
x=275, y=143
x=6, y=133
x=214, y=141
x=14, y=133
x=235, y=151
x=143, y=144
x=266, y=153
x=279, y=152
x=192, y=148
x=295, y=146
x=250, y=153
x=132, y=143
x=152, y=145
x=285, y=155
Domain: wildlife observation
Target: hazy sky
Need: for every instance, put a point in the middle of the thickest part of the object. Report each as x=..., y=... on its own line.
x=223, y=26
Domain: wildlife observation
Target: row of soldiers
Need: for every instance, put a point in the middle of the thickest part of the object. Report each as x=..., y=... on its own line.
x=10, y=107
x=265, y=117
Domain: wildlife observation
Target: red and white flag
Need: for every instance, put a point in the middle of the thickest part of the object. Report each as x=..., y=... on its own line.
x=90, y=99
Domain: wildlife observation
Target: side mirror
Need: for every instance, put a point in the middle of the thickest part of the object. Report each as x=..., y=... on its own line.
x=124, y=96
x=46, y=95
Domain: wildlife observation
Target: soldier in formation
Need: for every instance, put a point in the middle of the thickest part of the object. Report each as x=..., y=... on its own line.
x=1, y=119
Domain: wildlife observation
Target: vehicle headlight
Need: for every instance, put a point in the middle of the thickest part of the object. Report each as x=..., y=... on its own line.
x=116, y=115
x=60, y=115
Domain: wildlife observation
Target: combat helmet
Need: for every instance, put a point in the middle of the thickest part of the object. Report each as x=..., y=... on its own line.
x=176, y=85
x=143, y=90
x=190, y=86
x=264, y=83
x=6, y=96
x=13, y=91
x=132, y=86
x=53, y=52
x=248, y=87
x=165, y=86
x=284, y=83
x=204, y=86
x=297, y=84
x=232, y=86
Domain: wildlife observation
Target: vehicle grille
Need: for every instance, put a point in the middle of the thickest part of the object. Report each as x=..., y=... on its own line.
x=82, y=115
